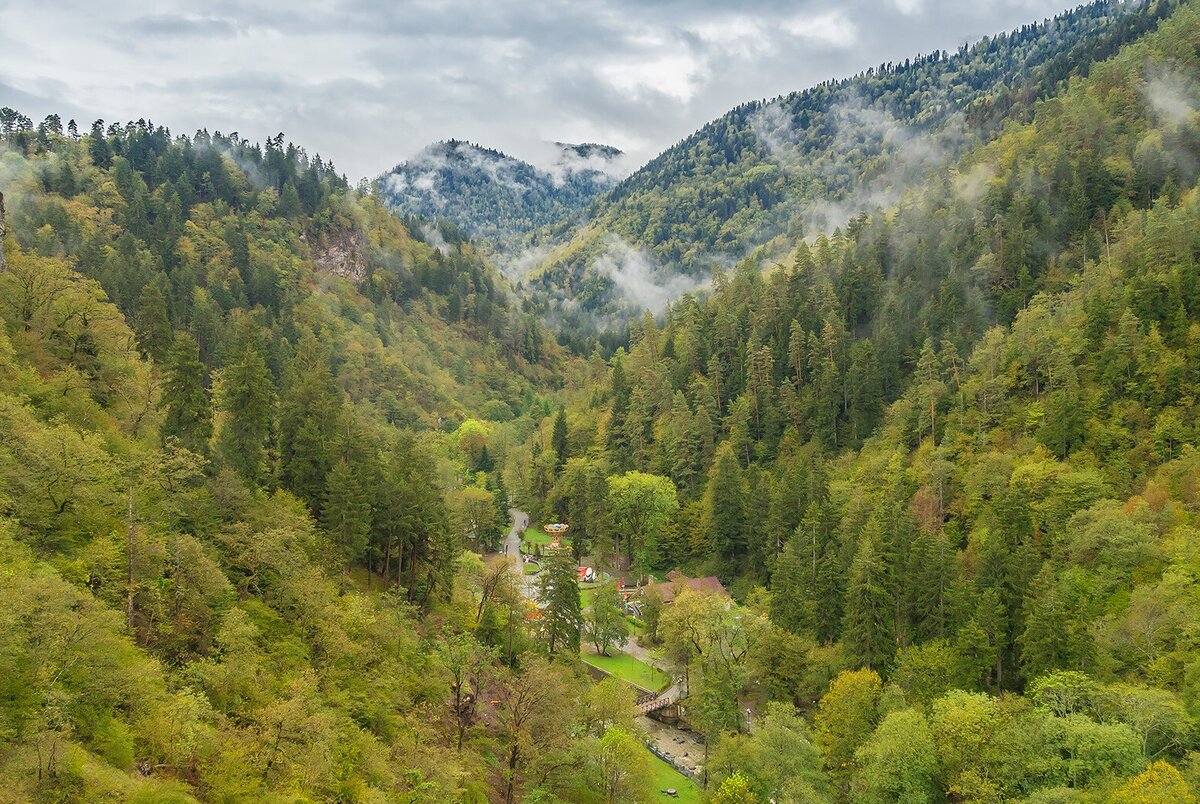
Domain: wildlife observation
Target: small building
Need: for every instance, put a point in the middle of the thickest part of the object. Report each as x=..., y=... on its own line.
x=676, y=582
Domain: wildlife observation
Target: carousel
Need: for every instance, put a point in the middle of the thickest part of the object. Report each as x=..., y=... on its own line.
x=556, y=532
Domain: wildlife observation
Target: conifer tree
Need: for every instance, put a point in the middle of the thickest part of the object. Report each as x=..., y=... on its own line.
x=791, y=585
x=724, y=505
x=562, y=614
x=309, y=412
x=246, y=400
x=346, y=511
x=558, y=440
x=869, y=622
x=1044, y=640
x=187, y=410
x=153, y=329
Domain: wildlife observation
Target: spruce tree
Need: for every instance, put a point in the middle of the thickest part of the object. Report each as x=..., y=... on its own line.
x=1044, y=640
x=619, y=393
x=562, y=613
x=309, y=414
x=346, y=511
x=869, y=622
x=187, y=410
x=724, y=505
x=152, y=328
x=791, y=583
x=246, y=400
x=558, y=440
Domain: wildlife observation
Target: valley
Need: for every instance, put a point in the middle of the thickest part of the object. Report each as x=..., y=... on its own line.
x=873, y=407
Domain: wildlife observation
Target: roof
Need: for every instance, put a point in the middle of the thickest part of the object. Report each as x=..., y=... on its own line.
x=667, y=590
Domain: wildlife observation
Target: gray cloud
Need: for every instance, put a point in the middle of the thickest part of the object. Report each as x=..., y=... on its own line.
x=179, y=25
x=369, y=84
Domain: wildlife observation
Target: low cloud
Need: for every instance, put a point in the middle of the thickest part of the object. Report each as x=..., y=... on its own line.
x=1173, y=97
x=433, y=237
x=908, y=154
x=636, y=277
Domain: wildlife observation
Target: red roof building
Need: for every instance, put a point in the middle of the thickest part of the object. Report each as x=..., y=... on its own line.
x=677, y=582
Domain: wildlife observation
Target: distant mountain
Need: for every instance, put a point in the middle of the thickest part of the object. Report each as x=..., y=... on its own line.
x=491, y=195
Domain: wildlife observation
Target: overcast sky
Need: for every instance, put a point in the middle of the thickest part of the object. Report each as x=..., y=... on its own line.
x=367, y=84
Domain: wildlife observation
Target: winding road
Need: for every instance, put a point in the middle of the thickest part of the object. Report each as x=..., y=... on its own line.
x=683, y=747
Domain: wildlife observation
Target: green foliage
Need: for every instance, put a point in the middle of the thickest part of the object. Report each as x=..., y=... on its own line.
x=640, y=504
x=777, y=760
x=802, y=163
x=604, y=620
x=899, y=762
x=562, y=616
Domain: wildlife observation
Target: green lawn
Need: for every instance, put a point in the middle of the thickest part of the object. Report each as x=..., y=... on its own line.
x=536, y=536
x=532, y=568
x=666, y=777
x=629, y=668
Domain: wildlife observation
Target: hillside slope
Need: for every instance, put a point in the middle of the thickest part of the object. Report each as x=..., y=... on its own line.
x=239, y=467
x=951, y=451
x=802, y=164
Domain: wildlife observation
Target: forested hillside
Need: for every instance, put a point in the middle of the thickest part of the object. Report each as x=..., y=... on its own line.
x=493, y=196
x=259, y=438
x=946, y=461
x=241, y=412
x=804, y=163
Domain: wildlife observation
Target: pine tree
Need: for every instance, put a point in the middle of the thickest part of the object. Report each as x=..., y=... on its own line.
x=245, y=400
x=187, y=410
x=724, y=501
x=869, y=629
x=562, y=614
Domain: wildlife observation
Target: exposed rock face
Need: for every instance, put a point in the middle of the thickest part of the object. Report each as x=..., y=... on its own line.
x=341, y=255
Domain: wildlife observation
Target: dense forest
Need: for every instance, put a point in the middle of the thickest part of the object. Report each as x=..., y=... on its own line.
x=769, y=172
x=240, y=463
x=944, y=459
x=495, y=197
x=259, y=439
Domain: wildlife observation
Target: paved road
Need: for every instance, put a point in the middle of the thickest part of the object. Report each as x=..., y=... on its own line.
x=512, y=542
x=512, y=547
x=685, y=748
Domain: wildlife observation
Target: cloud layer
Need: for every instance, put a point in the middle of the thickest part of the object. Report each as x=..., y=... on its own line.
x=368, y=83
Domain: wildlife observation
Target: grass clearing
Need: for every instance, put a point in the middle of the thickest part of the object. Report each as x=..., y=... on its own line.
x=629, y=668
x=666, y=777
x=532, y=568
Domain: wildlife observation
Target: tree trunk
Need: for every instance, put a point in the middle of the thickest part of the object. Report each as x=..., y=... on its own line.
x=129, y=534
x=387, y=563
x=3, y=231
x=513, y=755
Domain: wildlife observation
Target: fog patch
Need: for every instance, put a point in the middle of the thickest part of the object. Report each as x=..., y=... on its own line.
x=1173, y=97
x=634, y=274
x=903, y=154
x=431, y=235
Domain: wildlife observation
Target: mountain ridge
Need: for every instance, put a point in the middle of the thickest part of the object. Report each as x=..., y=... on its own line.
x=496, y=197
